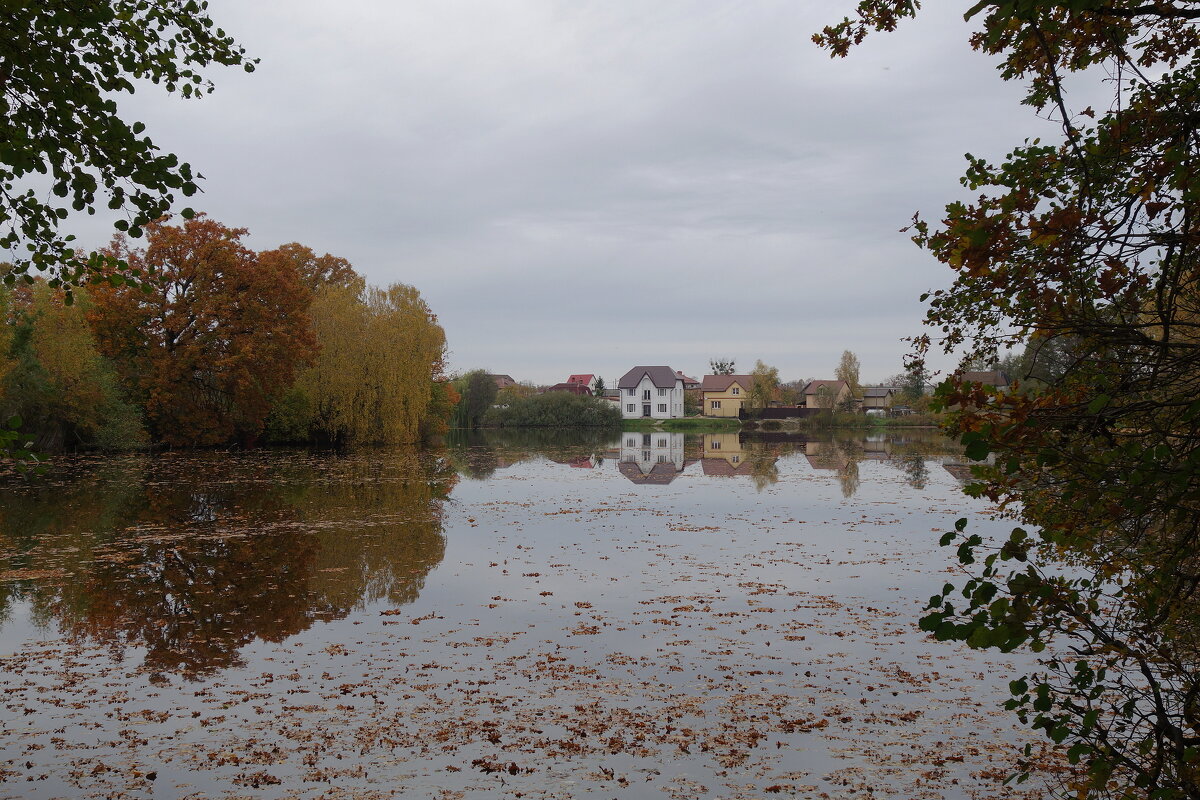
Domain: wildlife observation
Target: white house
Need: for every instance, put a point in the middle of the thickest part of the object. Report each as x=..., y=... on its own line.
x=655, y=392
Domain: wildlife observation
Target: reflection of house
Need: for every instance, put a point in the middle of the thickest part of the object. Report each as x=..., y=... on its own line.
x=826, y=394
x=826, y=455
x=503, y=381
x=581, y=462
x=722, y=455
x=651, y=457
x=723, y=395
x=655, y=392
x=878, y=397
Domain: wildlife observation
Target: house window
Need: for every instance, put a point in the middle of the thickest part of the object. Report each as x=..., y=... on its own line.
x=631, y=442
x=735, y=390
x=630, y=393
x=645, y=455
x=662, y=392
x=662, y=459
x=645, y=440
x=714, y=445
x=736, y=459
x=662, y=442
x=645, y=394
x=631, y=408
x=662, y=408
x=715, y=404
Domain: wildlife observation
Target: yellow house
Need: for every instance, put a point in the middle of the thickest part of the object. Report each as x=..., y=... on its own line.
x=723, y=395
x=826, y=394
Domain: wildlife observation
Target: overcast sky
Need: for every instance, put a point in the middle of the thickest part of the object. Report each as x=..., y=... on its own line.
x=585, y=186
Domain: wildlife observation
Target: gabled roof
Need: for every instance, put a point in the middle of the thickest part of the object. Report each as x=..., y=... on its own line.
x=582, y=379
x=815, y=386
x=661, y=377
x=878, y=391
x=686, y=380
x=573, y=388
x=719, y=383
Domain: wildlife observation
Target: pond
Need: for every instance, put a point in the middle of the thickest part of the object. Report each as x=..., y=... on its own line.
x=548, y=615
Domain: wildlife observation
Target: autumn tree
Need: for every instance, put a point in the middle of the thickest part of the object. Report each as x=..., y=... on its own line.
x=54, y=377
x=847, y=370
x=315, y=271
x=478, y=392
x=61, y=67
x=721, y=366
x=764, y=385
x=217, y=338
x=377, y=378
x=1089, y=241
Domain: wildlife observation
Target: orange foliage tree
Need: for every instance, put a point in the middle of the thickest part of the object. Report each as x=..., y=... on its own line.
x=215, y=340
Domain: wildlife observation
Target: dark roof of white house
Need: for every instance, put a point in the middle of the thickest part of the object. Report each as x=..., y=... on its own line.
x=661, y=377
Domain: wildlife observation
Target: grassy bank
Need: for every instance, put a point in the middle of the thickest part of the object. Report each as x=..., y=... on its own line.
x=685, y=425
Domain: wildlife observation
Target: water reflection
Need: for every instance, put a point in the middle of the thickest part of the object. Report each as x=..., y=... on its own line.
x=193, y=556
x=479, y=454
x=655, y=458
x=660, y=458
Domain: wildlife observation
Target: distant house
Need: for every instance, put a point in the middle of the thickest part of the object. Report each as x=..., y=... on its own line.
x=503, y=381
x=826, y=394
x=655, y=392
x=878, y=397
x=993, y=377
x=724, y=395
x=612, y=397
x=688, y=383
x=571, y=388
x=587, y=380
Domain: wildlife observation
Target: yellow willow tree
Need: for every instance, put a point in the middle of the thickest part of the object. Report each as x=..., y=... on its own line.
x=381, y=350
x=53, y=376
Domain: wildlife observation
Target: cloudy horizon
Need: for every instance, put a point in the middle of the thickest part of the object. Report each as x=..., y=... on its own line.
x=584, y=187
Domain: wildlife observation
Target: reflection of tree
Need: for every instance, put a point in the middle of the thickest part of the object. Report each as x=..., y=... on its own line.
x=378, y=538
x=196, y=556
x=851, y=450
x=763, y=458
x=194, y=604
x=916, y=469
x=478, y=454
x=848, y=478
x=471, y=455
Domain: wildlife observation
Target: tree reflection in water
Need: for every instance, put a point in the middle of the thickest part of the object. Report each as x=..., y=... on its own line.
x=194, y=556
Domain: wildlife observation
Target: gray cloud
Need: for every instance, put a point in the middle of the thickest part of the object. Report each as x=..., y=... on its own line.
x=578, y=187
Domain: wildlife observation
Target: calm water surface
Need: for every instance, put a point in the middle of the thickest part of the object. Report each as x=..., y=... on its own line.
x=546, y=616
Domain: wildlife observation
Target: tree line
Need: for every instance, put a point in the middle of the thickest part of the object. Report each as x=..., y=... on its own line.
x=1083, y=254
x=219, y=344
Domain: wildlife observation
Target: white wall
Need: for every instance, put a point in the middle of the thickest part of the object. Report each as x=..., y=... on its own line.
x=672, y=400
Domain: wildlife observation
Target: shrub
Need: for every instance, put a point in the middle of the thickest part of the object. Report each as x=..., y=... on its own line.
x=554, y=410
